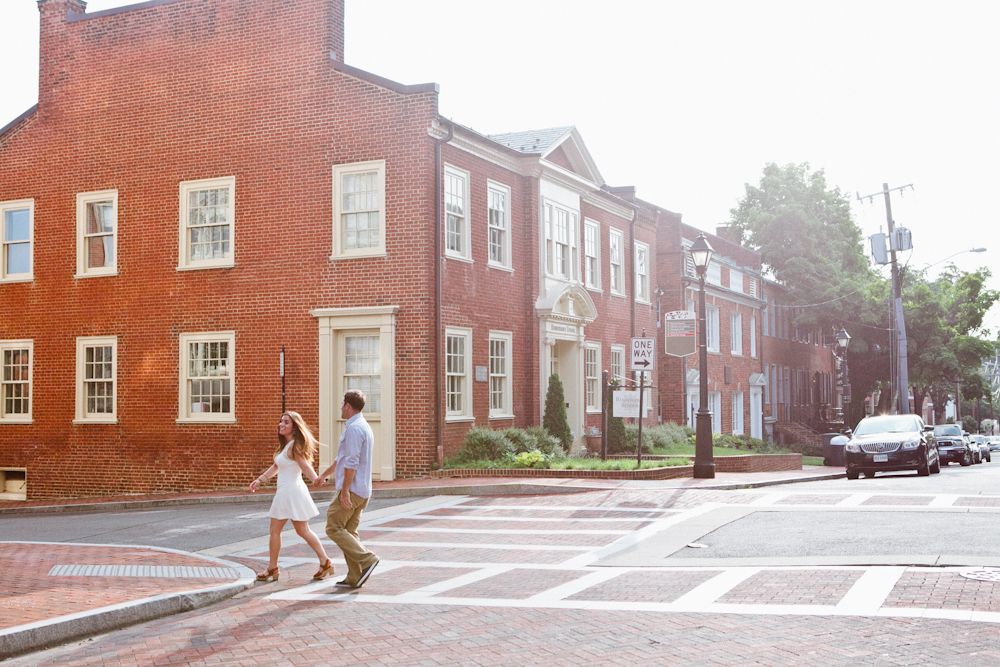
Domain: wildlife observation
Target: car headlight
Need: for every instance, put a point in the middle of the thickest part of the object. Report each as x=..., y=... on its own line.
x=912, y=444
x=852, y=447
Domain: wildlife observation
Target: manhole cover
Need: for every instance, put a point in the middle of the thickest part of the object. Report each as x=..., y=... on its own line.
x=982, y=574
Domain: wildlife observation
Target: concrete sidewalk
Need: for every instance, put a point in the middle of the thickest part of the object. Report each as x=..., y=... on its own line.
x=60, y=591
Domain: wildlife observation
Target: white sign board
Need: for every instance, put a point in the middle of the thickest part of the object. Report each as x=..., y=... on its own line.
x=626, y=404
x=643, y=354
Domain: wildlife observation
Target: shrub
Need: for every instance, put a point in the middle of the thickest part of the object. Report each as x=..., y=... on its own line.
x=545, y=442
x=665, y=436
x=632, y=437
x=484, y=443
x=521, y=440
x=617, y=439
x=532, y=459
x=742, y=442
x=554, y=420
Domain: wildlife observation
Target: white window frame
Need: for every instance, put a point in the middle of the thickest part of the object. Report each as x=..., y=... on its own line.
x=15, y=205
x=18, y=418
x=737, y=405
x=592, y=254
x=82, y=416
x=713, y=275
x=555, y=248
x=506, y=411
x=494, y=188
x=736, y=280
x=465, y=413
x=618, y=364
x=642, y=261
x=184, y=261
x=465, y=252
x=616, y=270
x=82, y=200
x=339, y=251
x=753, y=336
x=715, y=405
x=712, y=328
x=184, y=413
x=592, y=381
x=736, y=334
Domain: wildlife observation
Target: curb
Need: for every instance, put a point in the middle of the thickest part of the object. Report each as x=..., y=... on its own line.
x=50, y=632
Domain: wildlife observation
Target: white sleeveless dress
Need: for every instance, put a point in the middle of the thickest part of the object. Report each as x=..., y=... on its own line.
x=292, y=499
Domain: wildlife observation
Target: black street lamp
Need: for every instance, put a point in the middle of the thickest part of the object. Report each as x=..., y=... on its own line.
x=843, y=340
x=704, y=463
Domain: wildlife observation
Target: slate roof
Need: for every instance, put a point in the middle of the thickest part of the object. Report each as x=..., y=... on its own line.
x=535, y=142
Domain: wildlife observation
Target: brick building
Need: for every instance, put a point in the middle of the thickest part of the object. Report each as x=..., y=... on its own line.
x=209, y=212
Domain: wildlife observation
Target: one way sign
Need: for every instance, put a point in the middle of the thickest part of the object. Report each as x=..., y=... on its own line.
x=643, y=354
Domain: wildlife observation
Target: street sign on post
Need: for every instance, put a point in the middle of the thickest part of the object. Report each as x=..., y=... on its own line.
x=680, y=333
x=643, y=354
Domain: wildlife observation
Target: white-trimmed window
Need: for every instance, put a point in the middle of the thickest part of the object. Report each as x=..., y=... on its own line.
x=96, y=379
x=737, y=413
x=500, y=374
x=616, y=264
x=713, y=274
x=208, y=213
x=736, y=280
x=207, y=377
x=753, y=336
x=97, y=233
x=359, y=210
x=456, y=213
x=736, y=334
x=498, y=219
x=17, y=233
x=618, y=364
x=16, y=357
x=458, y=373
x=561, y=232
x=592, y=376
x=715, y=405
x=361, y=369
x=641, y=272
x=592, y=254
x=712, y=328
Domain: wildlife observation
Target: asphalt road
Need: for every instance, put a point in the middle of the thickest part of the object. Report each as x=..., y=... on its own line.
x=186, y=527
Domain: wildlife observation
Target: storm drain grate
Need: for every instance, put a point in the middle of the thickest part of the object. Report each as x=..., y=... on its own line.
x=982, y=574
x=145, y=571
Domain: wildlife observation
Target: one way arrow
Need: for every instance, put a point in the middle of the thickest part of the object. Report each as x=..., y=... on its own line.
x=644, y=362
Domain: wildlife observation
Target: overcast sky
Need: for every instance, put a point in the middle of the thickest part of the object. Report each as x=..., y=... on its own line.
x=688, y=100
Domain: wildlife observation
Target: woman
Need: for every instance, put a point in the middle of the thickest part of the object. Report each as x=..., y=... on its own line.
x=292, y=502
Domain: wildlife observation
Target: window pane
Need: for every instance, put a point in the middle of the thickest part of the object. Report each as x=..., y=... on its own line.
x=16, y=225
x=18, y=258
x=99, y=217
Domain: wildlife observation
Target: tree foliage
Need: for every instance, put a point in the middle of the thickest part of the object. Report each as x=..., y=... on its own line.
x=554, y=420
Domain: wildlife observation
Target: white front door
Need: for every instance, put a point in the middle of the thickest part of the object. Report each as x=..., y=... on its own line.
x=694, y=398
x=756, y=412
x=359, y=362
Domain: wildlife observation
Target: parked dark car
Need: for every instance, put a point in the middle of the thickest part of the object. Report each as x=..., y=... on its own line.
x=953, y=446
x=891, y=442
x=980, y=442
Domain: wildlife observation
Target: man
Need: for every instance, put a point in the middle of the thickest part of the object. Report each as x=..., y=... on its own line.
x=353, y=480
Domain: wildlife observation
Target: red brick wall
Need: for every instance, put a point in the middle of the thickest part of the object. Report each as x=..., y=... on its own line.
x=140, y=100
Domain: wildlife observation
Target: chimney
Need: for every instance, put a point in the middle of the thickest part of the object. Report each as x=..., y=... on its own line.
x=729, y=233
x=336, y=30
x=55, y=46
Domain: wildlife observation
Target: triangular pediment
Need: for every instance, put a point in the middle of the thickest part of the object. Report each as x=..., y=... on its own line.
x=570, y=153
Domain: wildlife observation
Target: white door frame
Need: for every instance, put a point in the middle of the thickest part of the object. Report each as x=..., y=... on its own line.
x=331, y=322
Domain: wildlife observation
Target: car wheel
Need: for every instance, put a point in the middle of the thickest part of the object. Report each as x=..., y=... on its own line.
x=924, y=470
x=988, y=458
x=852, y=474
x=966, y=460
x=936, y=468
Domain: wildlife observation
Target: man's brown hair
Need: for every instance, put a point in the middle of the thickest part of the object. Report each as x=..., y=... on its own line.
x=355, y=399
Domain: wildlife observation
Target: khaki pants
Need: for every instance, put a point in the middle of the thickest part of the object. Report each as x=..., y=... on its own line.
x=342, y=528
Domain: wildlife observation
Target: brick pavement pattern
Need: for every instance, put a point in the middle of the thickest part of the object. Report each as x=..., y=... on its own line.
x=944, y=590
x=31, y=595
x=824, y=587
x=638, y=586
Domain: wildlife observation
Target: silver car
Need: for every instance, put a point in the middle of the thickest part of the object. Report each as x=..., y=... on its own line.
x=983, y=444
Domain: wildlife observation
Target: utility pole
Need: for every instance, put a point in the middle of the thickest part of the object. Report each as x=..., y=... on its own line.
x=902, y=374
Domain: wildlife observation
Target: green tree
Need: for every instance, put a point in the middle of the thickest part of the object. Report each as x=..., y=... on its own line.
x=554, y=420
x=617, y=437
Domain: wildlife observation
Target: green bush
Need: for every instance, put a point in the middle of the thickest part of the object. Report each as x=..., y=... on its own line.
x=666, y=436
x=742, y=442
x=532, y=459
x=632, y=437
x=484, y=443
x=617, y=439
x=554, y=420
x=545, y=442
x=521, y=440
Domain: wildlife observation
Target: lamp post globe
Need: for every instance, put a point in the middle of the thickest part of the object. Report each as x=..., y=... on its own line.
x=704, y=462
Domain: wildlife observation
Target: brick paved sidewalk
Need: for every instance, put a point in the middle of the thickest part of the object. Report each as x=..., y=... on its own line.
x=53, y=592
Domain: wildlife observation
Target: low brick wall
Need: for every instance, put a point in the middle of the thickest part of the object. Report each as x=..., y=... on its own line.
x=748, y=463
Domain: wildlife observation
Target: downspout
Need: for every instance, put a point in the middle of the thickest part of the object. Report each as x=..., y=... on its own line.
x=631, y=301
x=438, y=291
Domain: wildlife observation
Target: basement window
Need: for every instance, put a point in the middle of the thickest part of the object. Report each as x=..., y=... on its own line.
x=13, y=484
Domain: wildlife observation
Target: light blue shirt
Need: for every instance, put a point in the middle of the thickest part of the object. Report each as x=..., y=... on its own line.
x=355, y=452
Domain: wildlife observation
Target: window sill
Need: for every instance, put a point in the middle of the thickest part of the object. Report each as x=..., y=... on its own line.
x=458, y=258
x=596, y=290
x=96, y=421
x=597, y=411
x=367, y=255
x=458, y=420
x=620, y=295
x=500, y=267
x=216, y=420
x=202, y=267
x=27, y=279
x=498, y=417
x=108, y=274
x=8, y=420
x=643, y=302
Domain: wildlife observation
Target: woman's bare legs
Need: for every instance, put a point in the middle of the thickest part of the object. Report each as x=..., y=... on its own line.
x=306, y=533
x=274, y=542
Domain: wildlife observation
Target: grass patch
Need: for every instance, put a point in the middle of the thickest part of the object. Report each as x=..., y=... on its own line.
x=812, y=461
x=683, y=449
x=567, y=463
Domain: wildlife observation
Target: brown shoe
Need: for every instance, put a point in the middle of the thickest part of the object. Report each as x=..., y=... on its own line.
x=325, y=570
x=271, y=574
